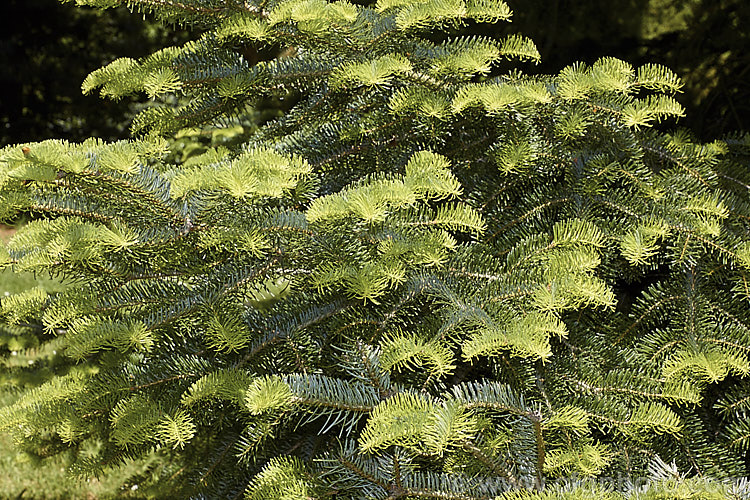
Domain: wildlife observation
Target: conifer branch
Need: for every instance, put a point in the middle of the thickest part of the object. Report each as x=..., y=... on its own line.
x=665, y=155
x=388, y=255
x=192, y=9
x=361, y=473
x=528, y=214
x=491, y=464
x=647, y=313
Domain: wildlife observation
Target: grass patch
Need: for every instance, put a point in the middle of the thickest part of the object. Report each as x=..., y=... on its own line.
x=25, y=477
x=11, y=282
x=48, y=480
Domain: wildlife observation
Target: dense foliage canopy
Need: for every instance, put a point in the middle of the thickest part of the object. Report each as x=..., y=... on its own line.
x=431, y=278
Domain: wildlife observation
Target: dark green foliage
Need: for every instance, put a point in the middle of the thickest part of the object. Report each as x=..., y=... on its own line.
x=420, y=282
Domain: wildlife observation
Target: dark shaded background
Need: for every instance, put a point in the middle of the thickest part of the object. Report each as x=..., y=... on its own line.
x=707, y=42
x=47, y=49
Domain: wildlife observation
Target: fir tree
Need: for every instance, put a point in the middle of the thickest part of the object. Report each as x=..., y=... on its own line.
x=429, y=279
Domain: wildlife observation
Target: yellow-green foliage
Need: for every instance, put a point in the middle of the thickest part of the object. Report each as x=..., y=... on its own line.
x=282, y=477
x=428, y=276
x=257, y=173
x=267, y=394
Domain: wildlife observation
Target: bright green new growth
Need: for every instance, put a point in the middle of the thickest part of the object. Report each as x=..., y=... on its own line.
x=428, y=279
x=257, y=173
